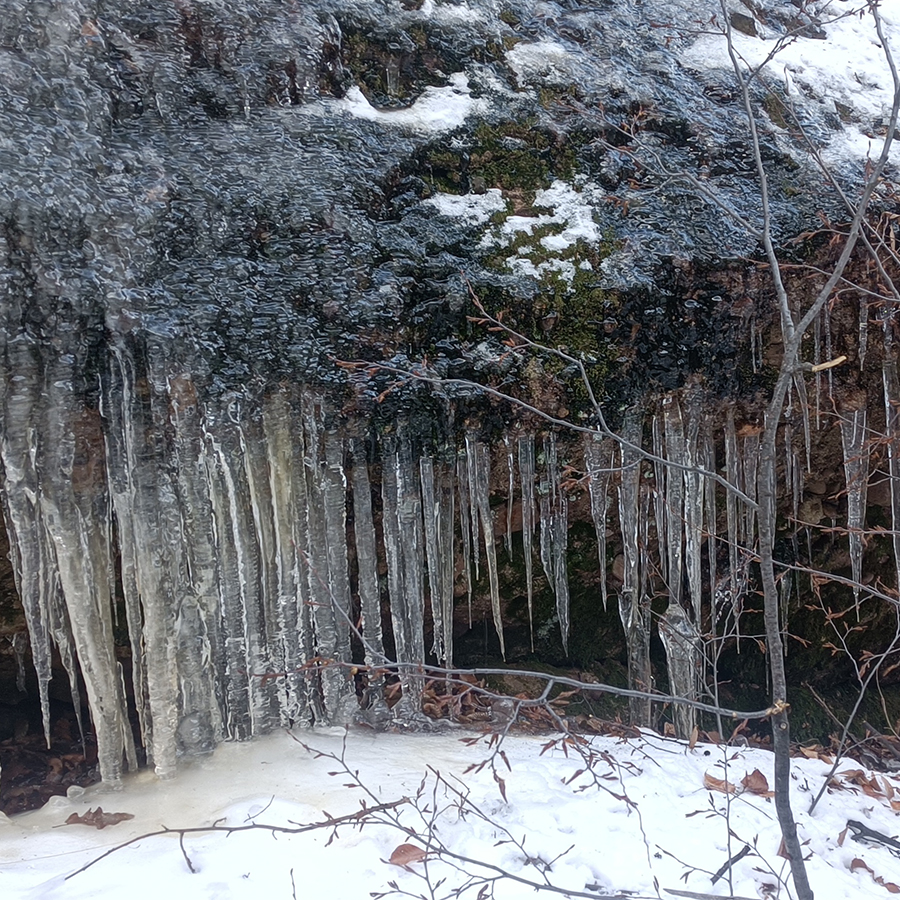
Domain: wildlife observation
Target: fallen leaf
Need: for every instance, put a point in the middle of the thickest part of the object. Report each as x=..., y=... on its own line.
x=404, y=854
x=842, y=835
x=889, y=886
x=756, y=783
x=695, y=734
x=96, y=818
x=718, y=784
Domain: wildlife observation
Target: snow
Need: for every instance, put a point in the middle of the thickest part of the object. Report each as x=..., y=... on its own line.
x=437, y=109
x=647, y=818
x=568, y=210
x=847, y=68
x=471, y=209
x=546, y=60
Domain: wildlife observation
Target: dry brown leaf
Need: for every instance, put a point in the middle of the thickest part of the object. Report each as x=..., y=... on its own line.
x=96, y=818
x=889, y=886
x=695, y=734
x=718, y=784
x=809, y=752
x=404, y=854
x=756, y=783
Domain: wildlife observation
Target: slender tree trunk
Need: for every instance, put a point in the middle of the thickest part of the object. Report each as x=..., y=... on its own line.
x=767, y=497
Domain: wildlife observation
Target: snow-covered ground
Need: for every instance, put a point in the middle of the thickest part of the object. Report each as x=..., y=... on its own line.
x=648, y=819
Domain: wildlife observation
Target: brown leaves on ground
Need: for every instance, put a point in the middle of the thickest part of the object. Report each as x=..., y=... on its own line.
x=458, y=698
x=405, y=854
x=96, y=818
x=889, y=886
x=756, y=783
x=878, y=787
x=753, y=783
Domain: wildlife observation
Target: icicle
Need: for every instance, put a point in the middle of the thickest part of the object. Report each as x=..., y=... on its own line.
x=749, y=466
x=693, y=505
x=598, y=457
x=661, y=476
x=480, y=489
x=678, y=633
x=557, y=535
x=326, y=558
x=674, y=495
x=471, y=465
x=287, y=489
x=856, y=471
x=366, y=558
x=404, y=552
x=526, y=477
x=247, y=707
x=445, y=497
x=437, y=492
x=545, y=527
x=682, y=642
x=510, y=492
x=736, y=550
x=634, y=606
x=31, y=553
x=465, y=527
x=75, y=505
x=199, y=639
x=709, y=487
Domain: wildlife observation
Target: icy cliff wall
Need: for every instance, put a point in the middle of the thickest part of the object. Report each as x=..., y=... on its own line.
x=207, y=207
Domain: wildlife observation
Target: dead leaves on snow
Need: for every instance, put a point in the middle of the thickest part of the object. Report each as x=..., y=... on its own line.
x=878, y=787
x=96, y=818
x=752, y=783
x=889, y=886
x=406, y=854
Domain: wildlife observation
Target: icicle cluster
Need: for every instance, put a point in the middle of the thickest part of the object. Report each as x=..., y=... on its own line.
x=239, y=539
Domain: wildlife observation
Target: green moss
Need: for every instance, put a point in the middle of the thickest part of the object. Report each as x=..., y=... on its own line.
x=512, y=156
x=509, y=17
x=776, y=110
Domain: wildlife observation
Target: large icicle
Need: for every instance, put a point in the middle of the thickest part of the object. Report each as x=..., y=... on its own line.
x=554, y=536
x=856, y=471
x=734, y=583
x=693, y=505
x=510, y=491
x=526, y=477
x=375, y=710
x=366, y=558
x=75, y=506
x=294, y=640
x=31, y=550
x=404, y=550
x=465, y=527
x=327, y=557
x=598, y=458
x=437, y=509
x=679, y=634
x=480, y=489
x=634, y=606
x=471, y=457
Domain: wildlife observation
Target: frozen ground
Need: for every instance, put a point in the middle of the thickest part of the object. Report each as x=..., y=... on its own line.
x=647, y=820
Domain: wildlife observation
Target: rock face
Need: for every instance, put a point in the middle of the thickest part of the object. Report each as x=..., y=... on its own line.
x=209, y=210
